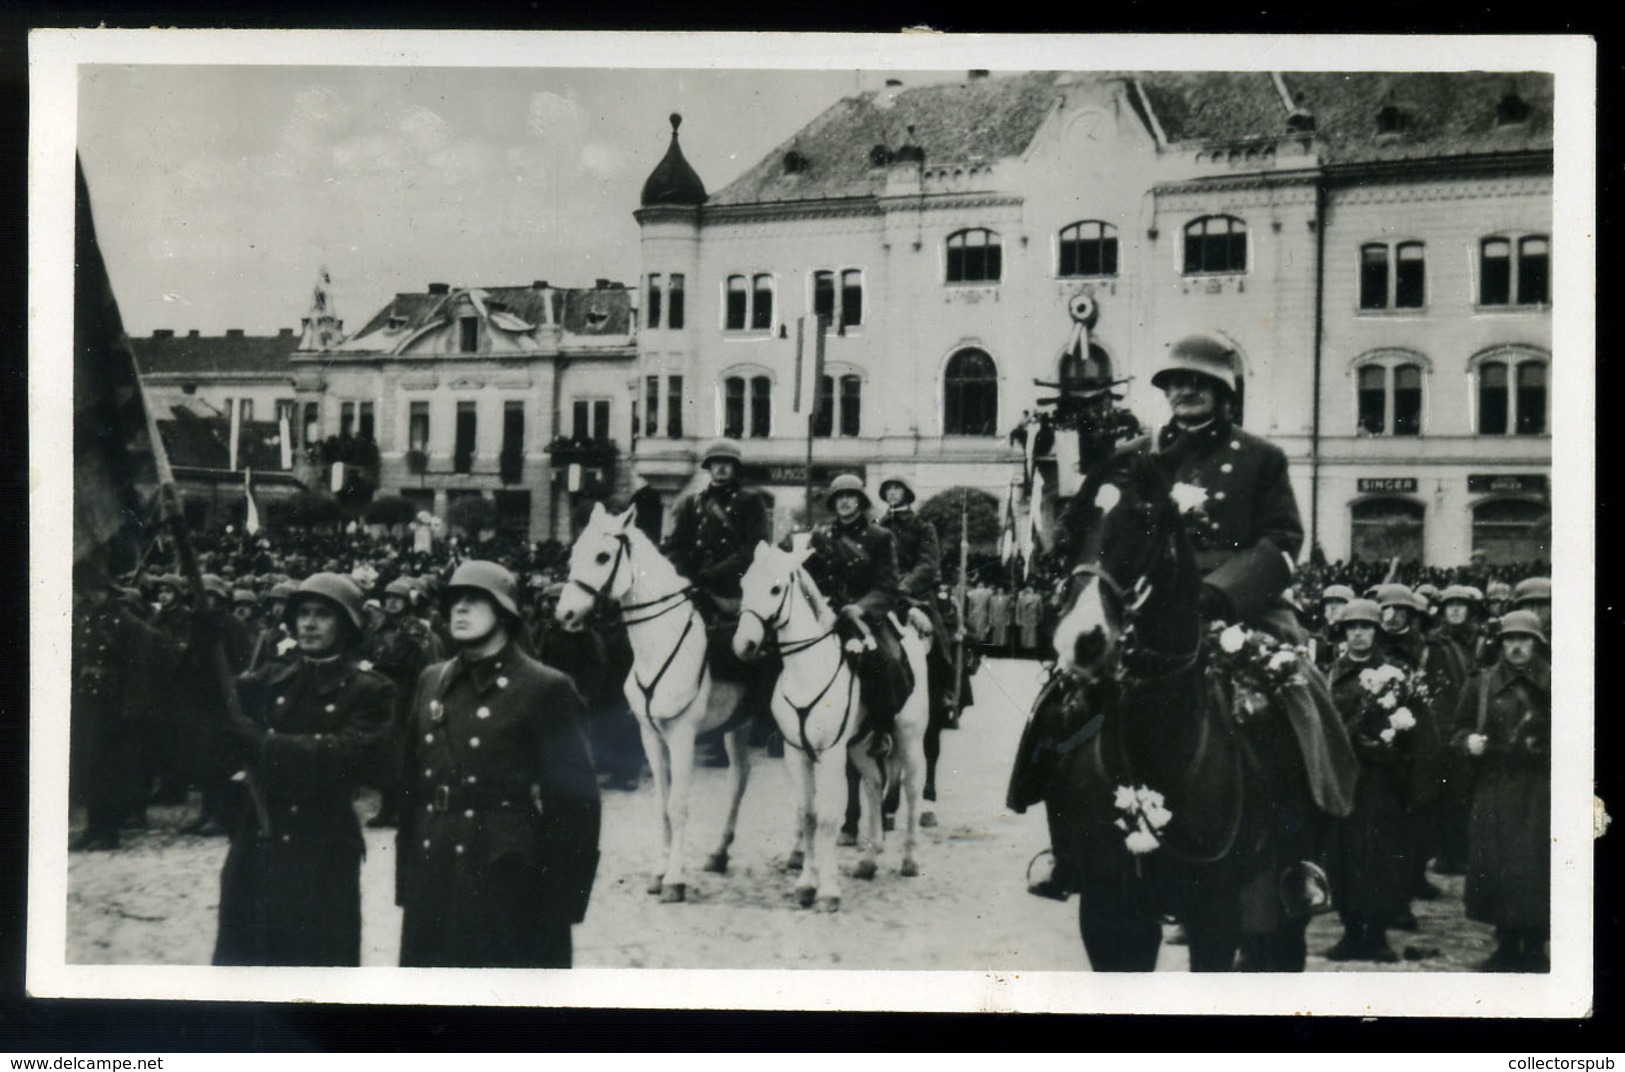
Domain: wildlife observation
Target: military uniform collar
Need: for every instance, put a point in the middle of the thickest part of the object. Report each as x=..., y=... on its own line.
x=331, y=675
x=483, y=673
x=1538, y=673
x=1215, y=431
x=723, y=491
x=855, y=527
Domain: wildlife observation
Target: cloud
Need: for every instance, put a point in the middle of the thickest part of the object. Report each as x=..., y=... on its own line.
x=557, y=120
x=604, y=159
x=424, y=130
x=318, y=117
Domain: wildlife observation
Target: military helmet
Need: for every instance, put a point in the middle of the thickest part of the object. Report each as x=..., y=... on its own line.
x=490, y=578
x=1532, y=589
x=282, y=590
x=1498, y=590
x=216, y=585
x=336, y=589
x=1359, y=610
x=1430, y=592
x=400, y=586
x=908, y=492
x=847, y=483
x=1396, y=595
x=1337, y=591
x=726, y=449
x=171, y=580
x=1461, y=593
x=1522, y=622
x=244, y=597
x=1205, y=353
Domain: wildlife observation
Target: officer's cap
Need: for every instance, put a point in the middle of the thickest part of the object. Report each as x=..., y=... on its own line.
x=1206, y=354
x=1532, y=589
x=897, y=481
x=847, y=484
x=491, y=579
x=1522, y=623
x=721, y=449
x=1359, y=610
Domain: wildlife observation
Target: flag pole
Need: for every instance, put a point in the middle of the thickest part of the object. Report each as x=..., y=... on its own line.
x=959, y=630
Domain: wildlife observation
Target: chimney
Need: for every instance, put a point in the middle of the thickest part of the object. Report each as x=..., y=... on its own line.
x=976, y=74
x=284, y=333
x=163, y=333
x=439, y=288
x=540, y=284
x=194, y=333
x=234, y=333
x=601, y=284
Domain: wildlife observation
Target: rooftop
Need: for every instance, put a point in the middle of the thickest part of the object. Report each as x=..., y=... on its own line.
x=234, y=353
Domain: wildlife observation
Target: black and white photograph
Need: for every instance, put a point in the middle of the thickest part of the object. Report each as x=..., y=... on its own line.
x=798, y=522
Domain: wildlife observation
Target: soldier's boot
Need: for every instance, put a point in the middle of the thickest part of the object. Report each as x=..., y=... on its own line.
x=1352, y=945
x=1377, y=948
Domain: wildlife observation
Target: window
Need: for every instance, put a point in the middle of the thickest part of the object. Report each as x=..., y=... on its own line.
x=346, y=420
x=1387, y=528
x=313, y=424
x=1403, y=266
x=652, y=314
x=1512, y=395
x=674, y=407
x=970, y=395
x=468, y=334
x=747, y=407
x=838, y=413
x=761, y=303
x=285, y=408
x=1215, y=244
x=842, y=306
x=1088, y=249
x=511, y=462
x=735, y=304
x=1512, y=531
x=1389, y=398
x=590, y=420
x=463, y=458
x=651, y=405
x=366, y=426
x=417, y=427
x=674, y=311
x=1501, y=275
x=245, y=410
x=974, y=256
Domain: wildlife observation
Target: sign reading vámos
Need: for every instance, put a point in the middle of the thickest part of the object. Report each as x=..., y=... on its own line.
x=1484, y=483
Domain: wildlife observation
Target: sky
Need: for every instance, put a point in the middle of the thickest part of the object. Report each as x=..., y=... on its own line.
x=219, y=192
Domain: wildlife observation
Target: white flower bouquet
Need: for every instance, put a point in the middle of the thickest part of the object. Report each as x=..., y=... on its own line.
x=1144, y=816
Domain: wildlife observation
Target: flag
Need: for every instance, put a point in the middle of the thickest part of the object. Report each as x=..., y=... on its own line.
x=236, y=433
x=1007, y=540
x=284, y=438
x=1036, y=536
x=251, y=512
x=118, y=459
x=809, y=373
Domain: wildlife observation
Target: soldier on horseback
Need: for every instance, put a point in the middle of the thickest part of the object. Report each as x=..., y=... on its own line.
x=919, y=564
x=854, y=564
x=715, y=533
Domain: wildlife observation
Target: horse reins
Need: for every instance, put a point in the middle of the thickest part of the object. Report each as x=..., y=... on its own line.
x=804, y=713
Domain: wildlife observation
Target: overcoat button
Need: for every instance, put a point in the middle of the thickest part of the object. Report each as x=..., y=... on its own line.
x=459, y=849
x=483, y=712
x=286, y=839
x=1235, y=444
x=502, y=682
x=1218, y=495
x=1226, y=467
x=331, y=708
x=428, y=772
x=473, y=742
x=293, y=809
x=281, y=700
x=470, y=779
x=469, y=814
x=428, y=738
x=425, y=842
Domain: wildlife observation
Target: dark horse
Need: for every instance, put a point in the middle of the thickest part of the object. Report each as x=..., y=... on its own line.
x=1132, y=704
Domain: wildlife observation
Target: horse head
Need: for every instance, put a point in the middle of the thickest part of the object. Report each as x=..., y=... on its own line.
x=772, y=589
x=600, y=566
x=1133, y=573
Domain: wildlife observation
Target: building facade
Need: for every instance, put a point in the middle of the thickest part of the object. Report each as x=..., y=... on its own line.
x=1377, y=246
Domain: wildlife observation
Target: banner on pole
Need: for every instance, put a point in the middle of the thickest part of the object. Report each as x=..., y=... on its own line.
x=251, y=511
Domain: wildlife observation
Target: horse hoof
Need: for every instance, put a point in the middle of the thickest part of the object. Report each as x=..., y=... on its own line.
x=656, y=884
x=846, y=840
x=795, y=861
x=866, y=869
x=806, y=896
x=832, y=904
x=910, y=869
x=676, y=893
x=717, y=863
x=929, y=819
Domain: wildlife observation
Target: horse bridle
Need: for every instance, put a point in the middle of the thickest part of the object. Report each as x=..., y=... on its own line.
x=804, y=712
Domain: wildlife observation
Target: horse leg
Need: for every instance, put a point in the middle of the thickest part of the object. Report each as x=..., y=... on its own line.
x=737, y=745
x=654, y=748
x=870, y=783
x=801, y=778
x=1120, y=933
x=854, y=808
x=680, y=743
x=1212, y=919
x=912, y=764
x=829, y=777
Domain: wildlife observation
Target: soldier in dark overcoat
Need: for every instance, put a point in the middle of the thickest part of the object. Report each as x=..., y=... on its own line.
x=715, y=531
x=1461, y=614
x=311, y=732
x=1369, y=849
x=1504, y=727
x=1323, y=642
x=498, y=840
x=120, y=673
x=399, y=648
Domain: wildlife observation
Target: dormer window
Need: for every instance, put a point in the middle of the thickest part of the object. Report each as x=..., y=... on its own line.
x=879, y=156
x=468, y=334
x=1511, y=109
x=397, y=323
x=1391, y=120
x=794, y=162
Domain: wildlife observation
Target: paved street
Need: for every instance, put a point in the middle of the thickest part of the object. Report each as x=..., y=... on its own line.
x=155, y=901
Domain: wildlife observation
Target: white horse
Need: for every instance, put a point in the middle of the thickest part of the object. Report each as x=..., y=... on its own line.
x=670, y=688
x=817, y=708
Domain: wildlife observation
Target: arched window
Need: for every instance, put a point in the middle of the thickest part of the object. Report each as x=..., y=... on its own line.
x=1511, y=393
x=1388, y=397
x=1511, y=531
x=1215, y=244
x=1386, y=528
x=974, y=256
x=1088, y=248
x=970, y=395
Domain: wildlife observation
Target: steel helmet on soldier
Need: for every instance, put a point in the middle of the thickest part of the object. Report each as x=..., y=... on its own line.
x=1522, y=622
x=1359, y=610
x=334, y=588
x=244, y=597
x=1206, y=354
x=897, y=481
x=490, y=578
x=1337, y=591
x=847, y=484
x=1396, y=595
x=723, y=450
x=1498, y=590
x=1532, y=590
x=1460, y=593
x=400, y=586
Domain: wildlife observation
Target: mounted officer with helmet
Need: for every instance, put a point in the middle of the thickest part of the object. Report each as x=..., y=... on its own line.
x=715, y=532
